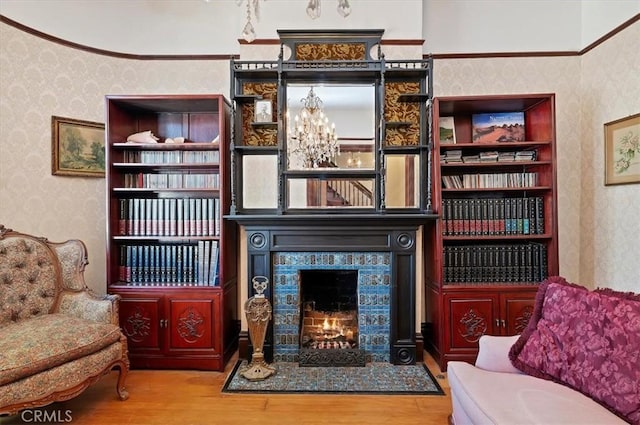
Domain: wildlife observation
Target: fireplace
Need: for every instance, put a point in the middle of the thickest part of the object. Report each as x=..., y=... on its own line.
x=371, y=274
x=378, y=258
x=329, y=334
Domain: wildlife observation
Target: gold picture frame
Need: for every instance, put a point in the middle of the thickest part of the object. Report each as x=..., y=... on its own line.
x=622, y=151
x=77, y=147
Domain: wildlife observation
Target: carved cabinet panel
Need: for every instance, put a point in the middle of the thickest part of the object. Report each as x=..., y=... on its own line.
x=470, y=318
x=517, y=310
x=473, y=314
x=173, y=329
x=192, y=323
x=140, y=322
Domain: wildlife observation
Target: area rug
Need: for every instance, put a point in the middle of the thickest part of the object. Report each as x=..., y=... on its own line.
x=374, y=378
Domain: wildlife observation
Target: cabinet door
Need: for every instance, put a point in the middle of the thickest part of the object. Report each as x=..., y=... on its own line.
x=192, y=323
x=470, y=317
x=140, y=322
x=517, y=309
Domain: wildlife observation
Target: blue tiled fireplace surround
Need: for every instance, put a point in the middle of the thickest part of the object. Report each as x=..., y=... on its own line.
x=383, y=250
x=374, y=299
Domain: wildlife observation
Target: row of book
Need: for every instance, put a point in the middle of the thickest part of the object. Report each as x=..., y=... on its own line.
x=502, y=263
x=499, y=180
x=456, y=156
x=169, y=217
x=171, y=181
x=170, y=265
x=172, y=157
x=493, y=216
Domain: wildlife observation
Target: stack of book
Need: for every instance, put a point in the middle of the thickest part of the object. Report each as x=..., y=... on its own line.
x=506, y=156
x=470, y=159
x=525, y=155
x=452, y=156
x=489, y=156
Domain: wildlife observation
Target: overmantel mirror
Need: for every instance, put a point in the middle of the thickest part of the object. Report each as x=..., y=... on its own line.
x=331, y=127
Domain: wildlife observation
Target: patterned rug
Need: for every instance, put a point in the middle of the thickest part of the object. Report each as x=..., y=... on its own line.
x=374, y=378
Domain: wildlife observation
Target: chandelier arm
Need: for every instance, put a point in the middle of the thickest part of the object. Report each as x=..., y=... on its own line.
x=314, y=11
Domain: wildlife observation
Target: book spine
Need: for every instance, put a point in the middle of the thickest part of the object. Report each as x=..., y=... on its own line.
x=179, y=217
x=211, y=224
x=514, y=216
x=154, y=217
x=122, y=216
x=161, y=219
x=519, y=216
x=128, y=265
x=457, y=217
x=540, y=215
x=213, y=263
x=446, y=216
x=198, y=208
x=134, y=264
x=163, y=264
x=142, y=221
x=526, y=219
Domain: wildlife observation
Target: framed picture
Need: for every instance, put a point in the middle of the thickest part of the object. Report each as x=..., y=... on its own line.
x=77, y=147
x=498, y=127
x=447, y=130
x=622, y=151
x=263, y=111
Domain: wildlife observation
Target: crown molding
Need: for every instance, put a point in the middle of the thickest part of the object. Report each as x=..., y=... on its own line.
x=264, y=41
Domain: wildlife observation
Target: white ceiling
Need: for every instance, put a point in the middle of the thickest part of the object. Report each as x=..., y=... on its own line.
x=197, y=27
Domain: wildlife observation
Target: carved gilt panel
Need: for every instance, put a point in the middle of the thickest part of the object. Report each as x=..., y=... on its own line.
x=258, y=136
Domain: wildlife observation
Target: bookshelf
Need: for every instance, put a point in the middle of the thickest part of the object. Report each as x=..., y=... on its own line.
x=170, y=254
x=494, y=188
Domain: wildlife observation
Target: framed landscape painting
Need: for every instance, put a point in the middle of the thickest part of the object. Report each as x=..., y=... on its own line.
x=622, y=151
x=77, y=147
x=447, y=130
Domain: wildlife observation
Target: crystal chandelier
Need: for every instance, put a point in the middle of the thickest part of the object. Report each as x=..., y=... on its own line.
x=312, y=138
x=313, y=10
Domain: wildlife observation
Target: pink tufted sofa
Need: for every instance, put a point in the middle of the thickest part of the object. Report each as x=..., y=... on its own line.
x=577, y=362
x=56, y=337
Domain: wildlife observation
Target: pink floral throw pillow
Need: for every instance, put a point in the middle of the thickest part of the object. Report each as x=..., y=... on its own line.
x=586, y=340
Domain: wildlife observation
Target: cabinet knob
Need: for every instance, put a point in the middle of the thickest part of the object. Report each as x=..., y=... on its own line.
x=497, y=323
x=504, y=323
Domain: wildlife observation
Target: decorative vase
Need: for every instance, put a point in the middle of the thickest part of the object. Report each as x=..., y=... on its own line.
x=258, y=311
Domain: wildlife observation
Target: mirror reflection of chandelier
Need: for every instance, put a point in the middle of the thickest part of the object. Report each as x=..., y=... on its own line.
x=312, y=138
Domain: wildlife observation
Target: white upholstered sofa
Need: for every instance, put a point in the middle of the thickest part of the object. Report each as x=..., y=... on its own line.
x=495, y=392
x=576, y=363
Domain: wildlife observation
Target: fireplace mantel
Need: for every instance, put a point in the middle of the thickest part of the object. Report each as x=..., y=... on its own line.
x=338, y=219
x=392, y=234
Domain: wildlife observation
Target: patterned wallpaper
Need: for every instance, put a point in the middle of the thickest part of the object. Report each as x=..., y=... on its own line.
x=39, y=79
x=609, y=215
x=599, y=235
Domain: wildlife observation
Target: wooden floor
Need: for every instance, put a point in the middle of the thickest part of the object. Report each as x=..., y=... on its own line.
x=177, y=397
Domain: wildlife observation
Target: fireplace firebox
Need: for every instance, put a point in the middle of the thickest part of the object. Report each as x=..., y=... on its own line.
x=329, y=333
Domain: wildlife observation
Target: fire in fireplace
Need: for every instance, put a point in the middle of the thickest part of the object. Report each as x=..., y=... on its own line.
x=329, y=318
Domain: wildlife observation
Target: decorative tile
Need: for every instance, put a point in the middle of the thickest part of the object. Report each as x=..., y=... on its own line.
x=374, y=299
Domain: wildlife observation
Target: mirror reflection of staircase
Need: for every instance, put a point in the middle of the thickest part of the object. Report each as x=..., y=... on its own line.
x=338, y=193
